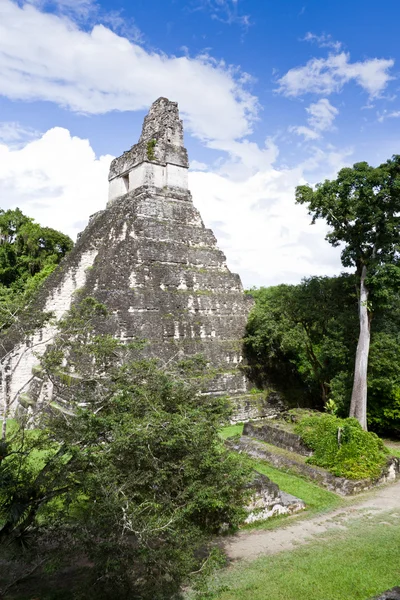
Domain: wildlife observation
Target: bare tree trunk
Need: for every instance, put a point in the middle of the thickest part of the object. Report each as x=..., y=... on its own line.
x=4, y=400
x=358, y=406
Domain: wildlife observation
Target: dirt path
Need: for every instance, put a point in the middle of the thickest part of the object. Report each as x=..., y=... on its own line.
x=250, y=544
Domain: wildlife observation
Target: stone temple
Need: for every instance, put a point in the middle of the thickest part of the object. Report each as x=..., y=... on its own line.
x=151, y=261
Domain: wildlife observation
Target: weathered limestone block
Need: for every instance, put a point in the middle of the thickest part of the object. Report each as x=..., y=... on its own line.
x=278, y=436
x=261, y=405
x=268, y=500
x=151, y=261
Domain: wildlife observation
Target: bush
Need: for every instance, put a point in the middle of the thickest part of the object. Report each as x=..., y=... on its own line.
x=342, y=447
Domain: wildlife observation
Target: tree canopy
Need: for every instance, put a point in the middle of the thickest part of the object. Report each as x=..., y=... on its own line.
x=362, y=207
x=28, y=254
x=26, y=248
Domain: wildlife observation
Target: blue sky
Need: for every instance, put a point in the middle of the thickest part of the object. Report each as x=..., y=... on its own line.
x=272, y=94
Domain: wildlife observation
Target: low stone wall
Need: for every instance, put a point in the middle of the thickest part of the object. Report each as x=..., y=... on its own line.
x=339, y=485
x=264, y=405
x=393, y=594
x=273, y=434
x=268, y=500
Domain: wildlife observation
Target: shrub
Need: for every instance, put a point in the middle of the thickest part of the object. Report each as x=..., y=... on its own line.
x=342, y=447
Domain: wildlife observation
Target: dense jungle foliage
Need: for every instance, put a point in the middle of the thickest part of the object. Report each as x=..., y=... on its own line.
x=28, y=254
x=302, y=339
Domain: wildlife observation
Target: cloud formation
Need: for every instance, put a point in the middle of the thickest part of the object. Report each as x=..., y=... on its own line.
x=388, y=114
x=102, y=71
x=323, y=41
x=328, y=75
x=322, y=114
x=15, y=133
x=226, y=11
x=56, y=179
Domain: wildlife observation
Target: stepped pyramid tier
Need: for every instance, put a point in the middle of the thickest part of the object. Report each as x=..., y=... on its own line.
x=151, y=261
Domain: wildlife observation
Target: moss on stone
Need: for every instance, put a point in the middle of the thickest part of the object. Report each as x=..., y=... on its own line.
x=151, y=144
x=342, y=447
x=26, y=400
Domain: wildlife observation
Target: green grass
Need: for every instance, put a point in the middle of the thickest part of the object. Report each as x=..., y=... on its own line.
x=353, y=564
x=12, y=425
x=317, y=499
x=393, y=450
x=231, y=430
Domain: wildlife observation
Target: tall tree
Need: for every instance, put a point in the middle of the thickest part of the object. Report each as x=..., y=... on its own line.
x=362, y=208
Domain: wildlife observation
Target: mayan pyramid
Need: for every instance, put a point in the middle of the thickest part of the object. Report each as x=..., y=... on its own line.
x=151, y=261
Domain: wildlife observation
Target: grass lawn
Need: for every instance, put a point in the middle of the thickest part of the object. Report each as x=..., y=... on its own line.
x=231, y=430
x=393, y=446
x=353, y=564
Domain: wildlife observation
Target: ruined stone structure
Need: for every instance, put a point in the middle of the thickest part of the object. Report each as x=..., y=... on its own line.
x=267, y=500
x=151, y=261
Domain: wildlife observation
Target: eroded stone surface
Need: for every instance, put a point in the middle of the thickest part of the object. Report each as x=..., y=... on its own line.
x=278, y=436
x=151, y=261
x=159, y=158
x=268, y=500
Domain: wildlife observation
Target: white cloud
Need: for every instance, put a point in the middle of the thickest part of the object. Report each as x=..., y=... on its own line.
x=328, y=75
x=56, y=179
x=246, y=158
x=14, y=132
x=89, y=11
x=226, y=11
x=322, y=114
x=76, y=8
x=306, y=132
x=267, y=238
x=198, y=166
x=323, y=41
x=394, y=114
x=47, y=57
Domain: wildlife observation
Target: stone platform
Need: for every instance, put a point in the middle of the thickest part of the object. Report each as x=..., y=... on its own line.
x=294, y=462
